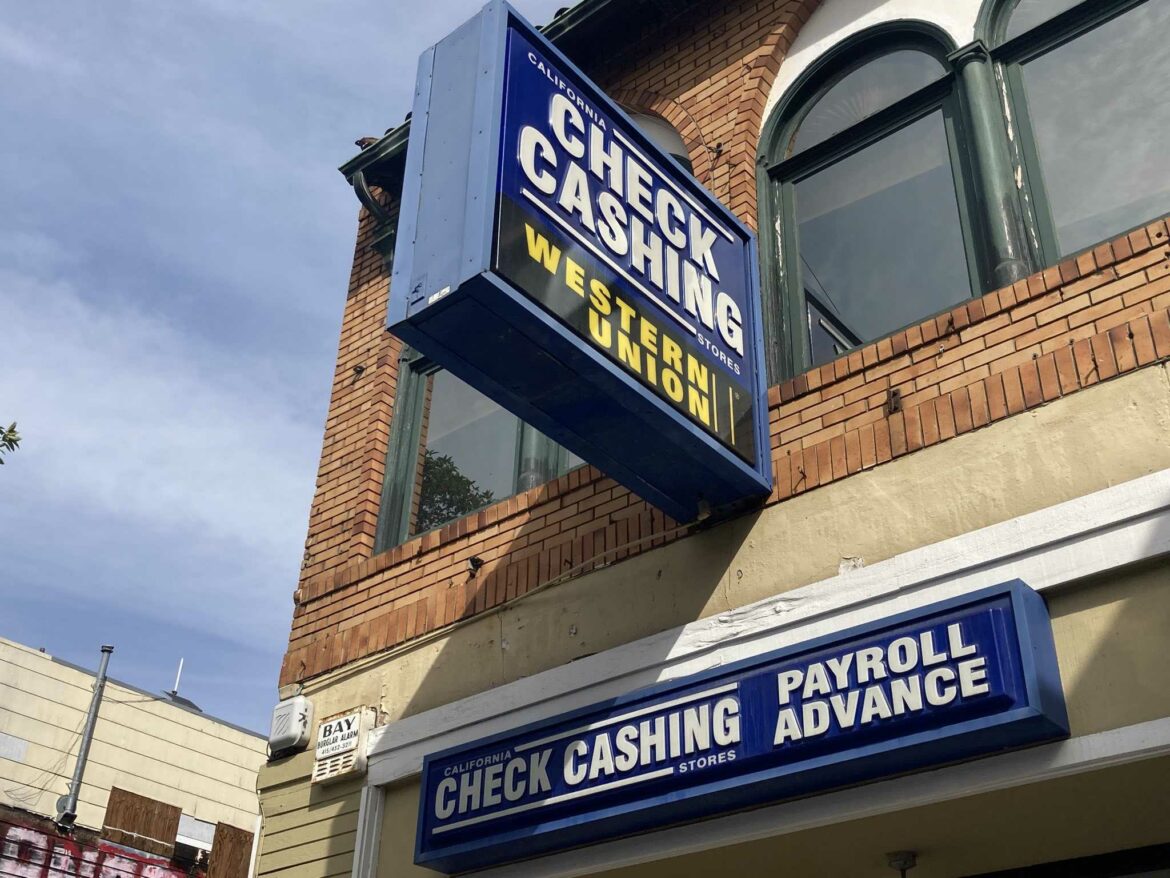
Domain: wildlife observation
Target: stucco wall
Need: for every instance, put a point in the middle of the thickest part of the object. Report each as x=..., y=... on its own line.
x=1110, y=638
x=1018, y=466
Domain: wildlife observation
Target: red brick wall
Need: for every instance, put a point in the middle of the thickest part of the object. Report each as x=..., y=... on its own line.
x=706, y=74
x=344, y=514
x=1084, y=321
x=1087, y=320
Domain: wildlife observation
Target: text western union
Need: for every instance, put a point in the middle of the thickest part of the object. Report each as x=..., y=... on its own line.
x=639, y=344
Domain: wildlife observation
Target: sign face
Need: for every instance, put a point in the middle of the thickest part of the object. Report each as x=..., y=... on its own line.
x=599, y=232
x=552, y=257
x=338, y=735
x=959, y=679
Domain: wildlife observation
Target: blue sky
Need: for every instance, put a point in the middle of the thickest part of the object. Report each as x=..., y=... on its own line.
x=175, y=245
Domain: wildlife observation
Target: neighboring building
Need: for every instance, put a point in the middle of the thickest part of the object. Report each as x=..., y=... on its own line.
x=967, y=318
x=163, y=779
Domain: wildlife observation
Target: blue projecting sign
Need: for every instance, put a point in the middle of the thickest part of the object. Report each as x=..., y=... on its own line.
x=955, y=680
x=553, y=258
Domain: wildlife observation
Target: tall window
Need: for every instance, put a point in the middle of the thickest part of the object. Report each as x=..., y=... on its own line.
x=1086, y=81
x=454, y=451
x=901, y=178
x=869, y=197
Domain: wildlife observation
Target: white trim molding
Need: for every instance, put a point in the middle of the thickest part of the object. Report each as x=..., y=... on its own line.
x=369, y=831
x=1069, y=541
x=834, y=20
x=1146, y=740
x=1079, y=538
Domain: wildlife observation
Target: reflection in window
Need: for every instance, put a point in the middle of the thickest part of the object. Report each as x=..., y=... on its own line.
x=880, y=239
x=864, y=91
x=1101, y=121
x=1029, y=13
x=469, y=453
x=828, y=337
x=664, y=136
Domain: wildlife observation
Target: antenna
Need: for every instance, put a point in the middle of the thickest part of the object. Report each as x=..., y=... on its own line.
x=178, y=676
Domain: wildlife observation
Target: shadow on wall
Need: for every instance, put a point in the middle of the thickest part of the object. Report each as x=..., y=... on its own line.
x=622, y=599
x=1111, y=635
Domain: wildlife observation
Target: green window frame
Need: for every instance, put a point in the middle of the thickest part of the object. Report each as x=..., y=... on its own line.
x=784, y=301
x=1006, y=215
x=536, y=458
x=1009, y=57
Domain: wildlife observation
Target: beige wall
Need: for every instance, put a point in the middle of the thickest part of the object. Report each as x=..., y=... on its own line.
x=1106, y=630
x=308, y=830
x=1082, y=815
x=1110, y=641
x=1021, y=465
x=142, y=744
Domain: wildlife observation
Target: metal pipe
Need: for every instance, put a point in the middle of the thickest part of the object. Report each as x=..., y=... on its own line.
x=67, y=805
x=1000, y=211
x=178, y=677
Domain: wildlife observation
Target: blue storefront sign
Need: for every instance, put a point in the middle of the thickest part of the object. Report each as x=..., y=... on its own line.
x=553, y=258
x=959, y=679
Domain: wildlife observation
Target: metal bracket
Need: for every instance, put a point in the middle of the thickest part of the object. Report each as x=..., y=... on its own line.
x=894, y=401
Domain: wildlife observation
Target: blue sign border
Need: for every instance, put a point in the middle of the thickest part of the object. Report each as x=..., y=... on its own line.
x=458, y=311
x=1041, y=716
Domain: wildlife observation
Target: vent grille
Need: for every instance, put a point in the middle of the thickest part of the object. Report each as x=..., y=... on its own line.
x=334, y=766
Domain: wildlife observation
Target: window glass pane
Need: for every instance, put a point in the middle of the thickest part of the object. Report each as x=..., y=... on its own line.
x=827, y=337
x=878, y=84
x=1029, y=13
x=469, y=454
x=541, y=459
x=1101, y=119
x=879, y=235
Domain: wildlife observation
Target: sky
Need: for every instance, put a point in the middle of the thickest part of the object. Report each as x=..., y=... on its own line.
x=175, y=244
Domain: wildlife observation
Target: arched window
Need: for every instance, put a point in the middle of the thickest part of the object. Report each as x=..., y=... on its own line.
x=664, y=136
x=1086, y=85
x=867, y=197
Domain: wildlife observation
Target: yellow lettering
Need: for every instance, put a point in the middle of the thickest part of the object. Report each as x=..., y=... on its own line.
x=599, y=296
x=541, y=250
x=575, y=277
x=672, y=354
x=649, y=336
x=600, y=329
x=630, y=354
x=673, y=385
x=699, y=405
x=627, y=315
x=696, y=372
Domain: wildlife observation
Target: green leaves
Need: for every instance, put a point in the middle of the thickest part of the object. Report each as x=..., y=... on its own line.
x=9, y=440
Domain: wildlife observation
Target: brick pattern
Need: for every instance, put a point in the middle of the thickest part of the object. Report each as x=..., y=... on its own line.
x=344, y=514
x=1087, y=320
x=688, y=68
x=709, y=76
x=1084, y=321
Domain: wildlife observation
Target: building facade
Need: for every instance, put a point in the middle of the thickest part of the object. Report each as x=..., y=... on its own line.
x=164, y=784
x=965, y=284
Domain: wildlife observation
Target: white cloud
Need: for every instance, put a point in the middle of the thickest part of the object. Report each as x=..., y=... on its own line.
x=120, y=413
x=23, y=51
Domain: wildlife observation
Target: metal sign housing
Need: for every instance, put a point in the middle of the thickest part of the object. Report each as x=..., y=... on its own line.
x=954, y=680
x=552, y=257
